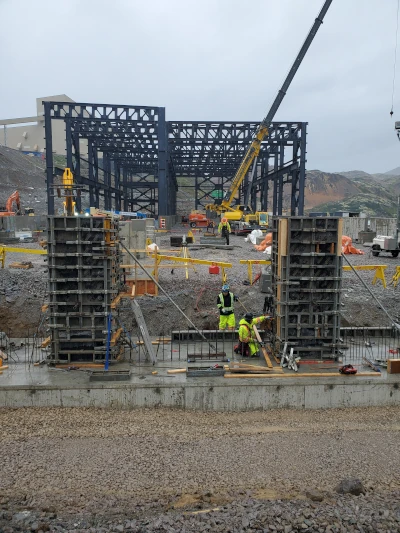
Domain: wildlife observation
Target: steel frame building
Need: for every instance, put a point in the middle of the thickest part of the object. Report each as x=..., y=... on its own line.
x=129, y=158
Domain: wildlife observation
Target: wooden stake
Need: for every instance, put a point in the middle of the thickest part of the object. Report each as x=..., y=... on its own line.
x=310, y=375
x=264, y=351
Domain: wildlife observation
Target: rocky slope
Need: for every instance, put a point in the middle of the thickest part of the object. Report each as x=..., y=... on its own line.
x=374, y=194
x=25, y=174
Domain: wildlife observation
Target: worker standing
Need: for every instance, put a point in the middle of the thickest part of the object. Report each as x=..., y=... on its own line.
x=224, y=229
x=248, y=346
x=226, y=312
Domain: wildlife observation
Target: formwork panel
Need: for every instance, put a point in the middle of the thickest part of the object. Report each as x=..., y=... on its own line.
x=306, y=279
x=83, y=259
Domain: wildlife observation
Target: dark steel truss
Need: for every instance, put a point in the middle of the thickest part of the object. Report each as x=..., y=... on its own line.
x=129, y=157
x=211, y=152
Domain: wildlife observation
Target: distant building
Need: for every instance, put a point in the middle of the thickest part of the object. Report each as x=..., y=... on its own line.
x=27, y=133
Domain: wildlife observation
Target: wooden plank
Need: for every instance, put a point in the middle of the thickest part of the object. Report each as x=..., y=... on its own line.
x=140, y=343
x=81, y=365
x=177, y=371
x=4, y=367
x=116, y=335
x=393, y=366
x=264, y=351
x=237, y=367
x=339, y=239
x=310, y=375
x=46, y=342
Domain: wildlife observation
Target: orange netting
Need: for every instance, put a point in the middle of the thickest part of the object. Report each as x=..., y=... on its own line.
x=265, y=243
x=348, y=248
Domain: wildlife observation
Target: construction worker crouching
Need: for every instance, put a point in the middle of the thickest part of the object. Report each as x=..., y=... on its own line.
x=225, y=305
x=224, y=229
x=248, y=345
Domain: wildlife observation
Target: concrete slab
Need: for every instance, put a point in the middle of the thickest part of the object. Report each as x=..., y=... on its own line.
x=25, y=385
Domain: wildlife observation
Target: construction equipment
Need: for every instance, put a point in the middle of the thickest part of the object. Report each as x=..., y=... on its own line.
x=7, y=210
x=385, y=243
x=30, y=211
x=198, y=219
x=253, y=150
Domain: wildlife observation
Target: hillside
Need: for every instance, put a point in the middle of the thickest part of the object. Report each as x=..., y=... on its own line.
x=356, y=190
x=375, y=195
x=394, y=172
x=25, y=174
x=324, y=186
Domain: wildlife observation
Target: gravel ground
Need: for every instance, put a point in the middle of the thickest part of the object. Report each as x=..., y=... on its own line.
x=154, y=470
x=197, y=295
x=22, y=292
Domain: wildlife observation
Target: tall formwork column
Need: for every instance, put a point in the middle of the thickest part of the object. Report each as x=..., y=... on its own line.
x=84, y=279
x=306, y=278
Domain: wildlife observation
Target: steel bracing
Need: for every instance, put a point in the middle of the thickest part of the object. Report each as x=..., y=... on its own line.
x=129, y=158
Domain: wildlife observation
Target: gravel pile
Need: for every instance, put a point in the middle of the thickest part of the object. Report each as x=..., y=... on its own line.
x=157, y=470
x=22, y=293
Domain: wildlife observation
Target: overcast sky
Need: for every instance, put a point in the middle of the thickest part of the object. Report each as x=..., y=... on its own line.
x=221, y=60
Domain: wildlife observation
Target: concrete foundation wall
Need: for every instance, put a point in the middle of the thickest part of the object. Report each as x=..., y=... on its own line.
x=298, y=394
x=382, y=226
x=18, y=223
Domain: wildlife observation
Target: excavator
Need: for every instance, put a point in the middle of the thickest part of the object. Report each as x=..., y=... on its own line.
x=8, y=211
x=244, y=213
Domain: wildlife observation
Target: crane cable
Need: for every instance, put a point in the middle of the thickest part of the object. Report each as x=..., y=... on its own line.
x=395, y=56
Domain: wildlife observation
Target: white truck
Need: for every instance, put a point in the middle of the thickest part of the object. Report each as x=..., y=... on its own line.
x=384, y=243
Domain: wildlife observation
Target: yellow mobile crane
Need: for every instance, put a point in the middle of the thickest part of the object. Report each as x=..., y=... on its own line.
x=244, y=213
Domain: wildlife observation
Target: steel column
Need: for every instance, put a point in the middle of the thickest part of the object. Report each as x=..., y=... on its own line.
x=49, y=157
x=163, y=208
x=302, y=174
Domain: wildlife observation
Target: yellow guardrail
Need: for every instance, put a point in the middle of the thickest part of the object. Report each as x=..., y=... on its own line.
x=12, y=249
x=379, y=271
x=250, y=263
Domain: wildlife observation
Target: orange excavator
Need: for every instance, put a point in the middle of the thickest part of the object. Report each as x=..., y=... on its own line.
x=8, y=210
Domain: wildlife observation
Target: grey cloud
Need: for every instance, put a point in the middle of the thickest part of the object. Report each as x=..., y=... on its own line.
x=215, y=60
